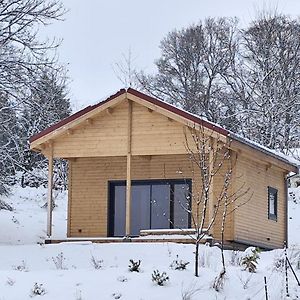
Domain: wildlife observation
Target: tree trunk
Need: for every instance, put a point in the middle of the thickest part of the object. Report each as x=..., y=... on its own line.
x=197, y=259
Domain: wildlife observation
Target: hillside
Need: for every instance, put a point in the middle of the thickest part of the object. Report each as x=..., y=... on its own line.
x=66, y=270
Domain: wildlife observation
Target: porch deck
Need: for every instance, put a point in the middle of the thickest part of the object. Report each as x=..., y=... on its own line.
x=146, y=236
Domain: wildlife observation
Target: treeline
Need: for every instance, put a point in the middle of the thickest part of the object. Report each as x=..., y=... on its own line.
x=33, y=90
x=247, y=80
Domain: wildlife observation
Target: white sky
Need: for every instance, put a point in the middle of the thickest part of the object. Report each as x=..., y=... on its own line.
x=96, y=33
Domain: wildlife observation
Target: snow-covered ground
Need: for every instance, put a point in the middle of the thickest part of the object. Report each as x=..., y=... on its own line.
x=27, y=223
x=66, y=270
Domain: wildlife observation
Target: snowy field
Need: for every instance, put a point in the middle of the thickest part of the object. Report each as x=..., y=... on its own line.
x=66, y=271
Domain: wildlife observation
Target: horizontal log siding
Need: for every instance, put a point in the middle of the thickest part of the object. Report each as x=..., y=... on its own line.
x=89, y=183
x=105, y=136
x=251, y=220
x=155, y=134
x=218, y=189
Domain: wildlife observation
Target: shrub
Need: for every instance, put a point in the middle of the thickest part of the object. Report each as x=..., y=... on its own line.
x=97, y=264
x=159, y=278
x=122, y=279
x=134, y=266
x=179, y=264
x=59, y=261
x=10, y=281
x=21, y=267
x=117, y=295
x=279, y=263
x=37, y=290
x=250, y=259
x=235, y=258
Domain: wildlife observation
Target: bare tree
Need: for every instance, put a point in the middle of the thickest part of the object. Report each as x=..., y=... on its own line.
x=22, y=54
x=209, y=156
x=20, y=47
x=265, y=81
x=125, y=71
x=192, y=65
x=212, y=160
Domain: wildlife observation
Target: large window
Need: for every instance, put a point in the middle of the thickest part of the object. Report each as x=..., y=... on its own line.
x=155, y=204
x=272, y=203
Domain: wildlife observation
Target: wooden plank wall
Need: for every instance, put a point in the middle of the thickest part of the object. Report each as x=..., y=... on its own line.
x=97, y=151
x=106, y=135
x=251, y=219
x=88, y=196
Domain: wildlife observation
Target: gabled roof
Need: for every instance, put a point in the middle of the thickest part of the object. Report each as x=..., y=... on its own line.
x=148, y=100
x=143, y=96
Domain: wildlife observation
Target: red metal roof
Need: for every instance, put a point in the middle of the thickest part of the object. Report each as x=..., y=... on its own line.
x=179, y=111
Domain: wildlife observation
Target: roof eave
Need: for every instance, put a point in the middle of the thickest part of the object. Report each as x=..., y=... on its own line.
x=292, y=167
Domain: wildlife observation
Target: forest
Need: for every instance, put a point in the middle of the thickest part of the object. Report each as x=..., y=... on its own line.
x=245, y=79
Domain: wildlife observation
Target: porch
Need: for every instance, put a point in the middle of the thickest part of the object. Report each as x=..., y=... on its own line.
x=146, y=236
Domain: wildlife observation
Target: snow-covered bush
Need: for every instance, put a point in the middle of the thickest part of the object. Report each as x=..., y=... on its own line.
x=21, y=267
x=279, y=263
x=37, y=290
x=250, y=259
x=190, y=291
x=134, y=266
x=59, y=261
x=10, y=281
x=122, y=279
x=179, y=264
x=294, y=195
x=97, y=264
x=235, y=258
x=117, y=295
x=159, y=278
x=245, y=280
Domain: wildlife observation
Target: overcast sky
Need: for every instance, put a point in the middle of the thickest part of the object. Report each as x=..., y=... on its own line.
x=96, y=33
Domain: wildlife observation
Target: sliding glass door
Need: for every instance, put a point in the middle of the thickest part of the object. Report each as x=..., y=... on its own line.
x=155, y=204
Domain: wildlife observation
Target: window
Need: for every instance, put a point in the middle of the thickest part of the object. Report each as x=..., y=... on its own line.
x=272, y=201
x=155, y=204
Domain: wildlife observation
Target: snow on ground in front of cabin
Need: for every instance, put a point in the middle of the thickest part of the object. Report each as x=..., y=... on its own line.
x=23, y=262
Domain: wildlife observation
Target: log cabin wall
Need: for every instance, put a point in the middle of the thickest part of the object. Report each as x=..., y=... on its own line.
x=251, y=222
x=89, y=178
x=98, y=152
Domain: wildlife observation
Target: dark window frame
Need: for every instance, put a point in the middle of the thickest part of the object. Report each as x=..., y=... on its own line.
x=171, y=182
x=273, y=191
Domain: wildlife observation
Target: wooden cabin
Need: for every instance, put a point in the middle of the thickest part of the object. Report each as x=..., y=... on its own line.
x=131, y=169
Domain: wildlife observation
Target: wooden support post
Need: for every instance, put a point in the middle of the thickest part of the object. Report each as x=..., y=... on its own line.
x=128, y=173
x=50, y=195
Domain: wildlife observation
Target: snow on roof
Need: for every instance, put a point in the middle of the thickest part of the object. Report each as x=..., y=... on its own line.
x=279, y=155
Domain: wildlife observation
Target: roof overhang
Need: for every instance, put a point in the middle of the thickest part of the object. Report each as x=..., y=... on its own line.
x=237, y=143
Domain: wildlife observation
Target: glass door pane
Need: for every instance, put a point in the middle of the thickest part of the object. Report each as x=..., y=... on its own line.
x=160, y=206
x=119, y=210
x=181, y=205
x=140, y=208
